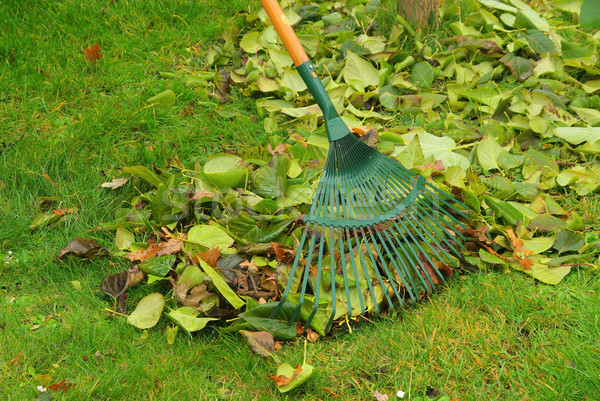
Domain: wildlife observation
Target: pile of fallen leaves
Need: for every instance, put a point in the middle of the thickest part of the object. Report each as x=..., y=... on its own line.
x=503, y=114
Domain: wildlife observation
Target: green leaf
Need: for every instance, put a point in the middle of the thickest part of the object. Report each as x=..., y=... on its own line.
x=539, y=42
x=542, y=271
x=504, y=210
x=589, y=15
x=224, y=288
x=164, y=99
x=124, y=238
x=422, y=74
x=143, y=173
x=271, y=181
x=546, y=223
x=442, y=149
x=158, y=266
x=249, y=42
x=569, y=241
x=186, y=318
x=577, y=135
x=412, y=155
x=171, y=333
x=359, y=73
x=261, y=342
x=148, y=311
x=225, y=171
x=286, y=370
x=520, y=67
x=298, y=194
x=191, y=276
x=260, y=319
x=210, y=236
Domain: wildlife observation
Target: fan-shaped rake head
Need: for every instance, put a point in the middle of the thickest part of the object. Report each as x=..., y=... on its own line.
x=374, y=232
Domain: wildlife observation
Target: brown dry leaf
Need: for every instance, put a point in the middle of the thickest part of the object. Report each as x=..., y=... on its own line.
x=330, y=392
x=437, y=166
x=171, y=247
x=261, y=342
x=519, y=253
x=445, y=269
x=16, y=358
x=312, y=336
x=249, y=265
x=202, y=194
x=211, y=256
x=62, y=385
x=135, y=276
x=380, y=397
x=114, y=184
x=84, y=248
x=145, y=254
x=280, y=149
x=282, y=380
x=429, y=269
x=283, y=254
x=480, y=234
x=93, y=53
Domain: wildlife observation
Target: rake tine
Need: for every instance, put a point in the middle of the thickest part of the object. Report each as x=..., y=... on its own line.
x=364, y=265
x=432, y=239
x=293, y=271
x=444, y=234
x=317, y=288
x=306, y=272
x=393, y=260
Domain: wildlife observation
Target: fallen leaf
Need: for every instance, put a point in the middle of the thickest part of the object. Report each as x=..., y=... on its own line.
x=62, y=385
x=145, y=254
x=261, y=342
x=202, y=194
x=93, y=53
x=480, y=234
x=283, y=379
x=116, y=284
x=380, y=397
x=171, y=247
x=249, y=265
x=148, y=311
x=312, y=336
x=211, y=256
x=84, y=248
x=519, y=253
x=114, y=184
x=283, y=254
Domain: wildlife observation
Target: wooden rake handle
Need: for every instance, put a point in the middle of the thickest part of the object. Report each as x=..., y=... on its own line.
x=285, y=31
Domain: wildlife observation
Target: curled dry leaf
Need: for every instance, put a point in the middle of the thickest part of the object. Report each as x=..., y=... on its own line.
x=380, y=397
x=261, y=342
x=116, y=284
x=312, y=336
x=520, y=254
x=114, y=184
x=84, y=248
x=283, y=379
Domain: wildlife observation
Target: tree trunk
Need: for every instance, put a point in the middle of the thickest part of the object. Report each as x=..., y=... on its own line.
x=419, y=13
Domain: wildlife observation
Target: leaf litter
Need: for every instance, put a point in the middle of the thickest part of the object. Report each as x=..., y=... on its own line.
x=503, y=116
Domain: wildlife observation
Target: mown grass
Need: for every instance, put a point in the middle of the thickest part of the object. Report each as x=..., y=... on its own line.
x=68, y=126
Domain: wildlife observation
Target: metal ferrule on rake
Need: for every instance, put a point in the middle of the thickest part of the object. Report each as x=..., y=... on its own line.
x=375, y=231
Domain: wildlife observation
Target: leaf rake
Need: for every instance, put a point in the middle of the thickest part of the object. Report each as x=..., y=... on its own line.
x=375, y=231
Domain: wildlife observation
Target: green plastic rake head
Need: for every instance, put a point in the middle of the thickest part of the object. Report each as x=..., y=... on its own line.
x=375, y=232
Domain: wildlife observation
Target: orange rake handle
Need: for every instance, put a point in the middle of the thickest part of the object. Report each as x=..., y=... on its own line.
x=285, y=31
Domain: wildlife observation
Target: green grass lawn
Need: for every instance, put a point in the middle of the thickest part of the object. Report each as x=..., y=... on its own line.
x=67, y=127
